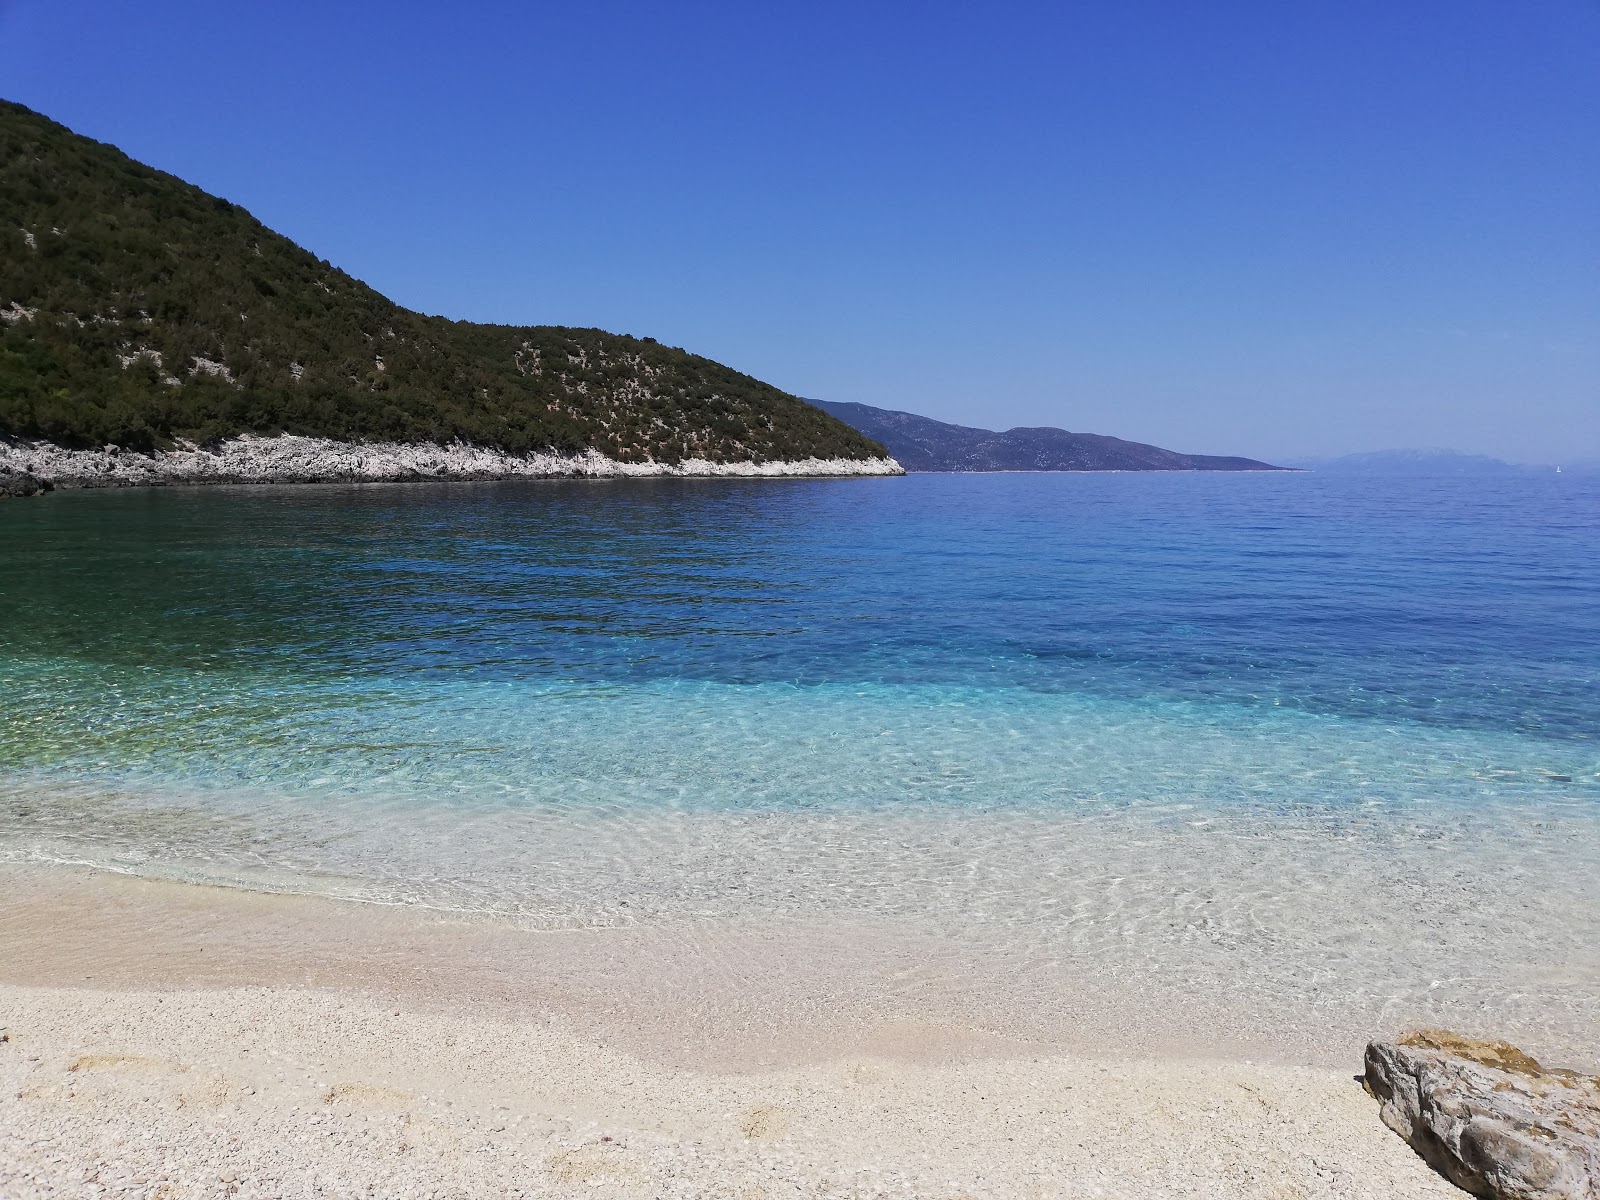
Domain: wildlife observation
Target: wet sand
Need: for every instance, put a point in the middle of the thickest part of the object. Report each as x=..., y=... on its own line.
x=171, y=1041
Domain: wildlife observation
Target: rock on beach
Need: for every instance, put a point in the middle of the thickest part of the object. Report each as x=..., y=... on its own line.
x=1488, y=1117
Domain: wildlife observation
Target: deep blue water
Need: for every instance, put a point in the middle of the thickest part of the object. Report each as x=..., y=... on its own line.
x=1457, y=602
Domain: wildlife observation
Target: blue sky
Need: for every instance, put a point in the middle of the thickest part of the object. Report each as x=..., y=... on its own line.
x=1258, y=228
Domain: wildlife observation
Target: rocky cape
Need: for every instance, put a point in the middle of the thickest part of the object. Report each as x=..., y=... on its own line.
x=924, y=444
x=292, y=459
x=137, y=310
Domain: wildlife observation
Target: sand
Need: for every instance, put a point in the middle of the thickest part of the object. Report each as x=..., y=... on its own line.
x=173, y=1041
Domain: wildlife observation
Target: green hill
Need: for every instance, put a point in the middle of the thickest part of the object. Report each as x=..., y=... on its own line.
x=136, y=309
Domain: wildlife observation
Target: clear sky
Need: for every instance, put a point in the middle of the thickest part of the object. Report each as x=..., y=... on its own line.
x=1264, y=228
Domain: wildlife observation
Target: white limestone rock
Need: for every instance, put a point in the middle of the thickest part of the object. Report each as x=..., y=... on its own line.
x=291, y=459
x=1488, y=1117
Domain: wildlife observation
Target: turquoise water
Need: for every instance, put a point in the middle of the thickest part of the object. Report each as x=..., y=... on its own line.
x=1096, y=718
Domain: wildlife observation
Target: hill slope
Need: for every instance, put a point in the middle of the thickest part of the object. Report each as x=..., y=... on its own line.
x=136, y=309
x=923, y=444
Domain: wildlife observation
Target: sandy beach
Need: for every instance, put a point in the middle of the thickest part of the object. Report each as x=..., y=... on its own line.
x=172, y=1041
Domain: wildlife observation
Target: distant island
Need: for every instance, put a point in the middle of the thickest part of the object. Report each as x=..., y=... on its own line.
x=923, y=444
x=140, y=313
x=1429, y=462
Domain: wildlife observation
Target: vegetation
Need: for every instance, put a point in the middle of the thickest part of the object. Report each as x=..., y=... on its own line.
x=923, y=444
x=136, y=309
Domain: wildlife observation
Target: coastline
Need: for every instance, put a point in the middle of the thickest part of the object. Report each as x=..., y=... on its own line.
x=289, y=458
x=173, y=1040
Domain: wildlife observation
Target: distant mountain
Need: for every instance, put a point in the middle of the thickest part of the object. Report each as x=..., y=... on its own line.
x=1417, y=462
x=923, y=444
x=138, y=310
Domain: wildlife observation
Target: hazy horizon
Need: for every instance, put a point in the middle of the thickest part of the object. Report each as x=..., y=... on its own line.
x=1289, y=459
x=1279, y=233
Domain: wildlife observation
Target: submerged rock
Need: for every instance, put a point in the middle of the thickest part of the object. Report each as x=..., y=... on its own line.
x=1488, y=1117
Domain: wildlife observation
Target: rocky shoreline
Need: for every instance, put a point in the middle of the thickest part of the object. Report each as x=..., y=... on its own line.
x=292, y=459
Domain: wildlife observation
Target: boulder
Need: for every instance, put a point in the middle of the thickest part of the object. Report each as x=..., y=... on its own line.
x=20, y=483
x=1488, y=1117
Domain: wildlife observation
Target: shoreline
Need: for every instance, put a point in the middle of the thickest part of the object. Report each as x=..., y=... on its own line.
x=289, y=458
x=174, y=1040
x=1133, y=981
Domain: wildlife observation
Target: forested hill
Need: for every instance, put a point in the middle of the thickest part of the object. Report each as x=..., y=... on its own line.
x=136, y=309
x=923, y=444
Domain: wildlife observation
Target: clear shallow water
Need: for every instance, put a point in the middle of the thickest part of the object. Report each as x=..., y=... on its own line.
x=1324, y=733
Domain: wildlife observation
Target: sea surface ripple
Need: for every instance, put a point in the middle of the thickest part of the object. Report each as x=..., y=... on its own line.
x=1327, y=732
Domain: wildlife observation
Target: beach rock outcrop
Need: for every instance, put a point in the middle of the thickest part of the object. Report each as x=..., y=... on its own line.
x=1488, y=1117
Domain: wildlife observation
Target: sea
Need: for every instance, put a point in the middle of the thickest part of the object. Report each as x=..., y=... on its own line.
x=1335, y=737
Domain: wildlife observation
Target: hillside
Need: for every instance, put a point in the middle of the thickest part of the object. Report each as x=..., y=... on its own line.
x=138, y=310
x=923, y=444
